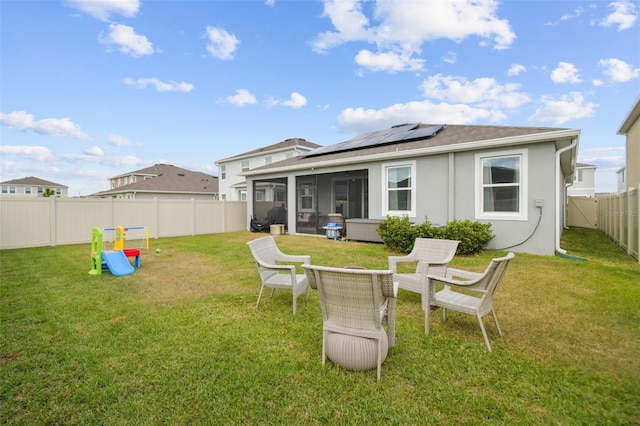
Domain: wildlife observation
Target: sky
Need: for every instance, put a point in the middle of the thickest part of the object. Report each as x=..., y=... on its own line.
x=91, y=89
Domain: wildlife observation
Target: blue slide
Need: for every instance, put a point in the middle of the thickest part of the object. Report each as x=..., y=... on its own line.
x=117, y=262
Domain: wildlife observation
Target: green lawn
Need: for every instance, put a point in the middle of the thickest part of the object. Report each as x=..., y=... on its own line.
x=181, y=342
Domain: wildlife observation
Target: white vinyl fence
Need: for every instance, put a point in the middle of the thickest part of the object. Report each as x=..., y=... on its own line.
x=619, y=218
x=37, y=221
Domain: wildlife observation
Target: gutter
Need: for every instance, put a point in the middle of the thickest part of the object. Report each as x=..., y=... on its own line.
x=560, y=181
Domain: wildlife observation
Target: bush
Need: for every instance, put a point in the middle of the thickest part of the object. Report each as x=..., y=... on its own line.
x=399, y=234
x=473, y=236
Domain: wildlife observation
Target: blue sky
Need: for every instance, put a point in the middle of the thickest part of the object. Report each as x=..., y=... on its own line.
x=93, y=89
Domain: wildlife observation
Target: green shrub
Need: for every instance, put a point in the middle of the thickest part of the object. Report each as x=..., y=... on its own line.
x=473, y=236
x=399, y=234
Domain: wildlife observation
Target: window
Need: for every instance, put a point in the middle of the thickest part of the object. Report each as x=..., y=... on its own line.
x=245, y=165
x=268, y=159
x=242, y=195
x=399, y=189
x=5, y=189
x=12, y=190
x=27, y=190
x=223, y=171
x=501, y=191
x=289, y=154
x=260, y=195
x=40, y=190
x=578, y=176
x=306, y=197
x=58, y=191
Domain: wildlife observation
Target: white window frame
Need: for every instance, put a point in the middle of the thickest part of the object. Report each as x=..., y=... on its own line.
x=223, y=171
x=27, y=190
x=385, y=190
x=242, y=195
x=245, y=165
x=522, y=213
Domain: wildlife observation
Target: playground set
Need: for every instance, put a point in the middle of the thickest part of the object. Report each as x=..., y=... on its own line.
x=111, y=248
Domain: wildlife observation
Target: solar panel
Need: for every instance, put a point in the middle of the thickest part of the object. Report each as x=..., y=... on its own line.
x=400, y=133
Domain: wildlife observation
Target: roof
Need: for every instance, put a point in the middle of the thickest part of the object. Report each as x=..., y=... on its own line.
x=585, y=166
x=632, y=117
x=276, y=147
x=168, y=178
x=32, y=180
x=450, y=138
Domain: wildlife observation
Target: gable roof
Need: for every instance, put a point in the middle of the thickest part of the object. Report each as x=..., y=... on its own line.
x=32, y=180
x=169, y=179
x=632, y=116
x=450, y=138
x=276, y=147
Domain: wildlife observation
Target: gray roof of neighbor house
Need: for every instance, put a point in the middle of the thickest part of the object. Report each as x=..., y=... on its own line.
x=448, y=138
x=585, y=165
x=280, y=146
x=169, y=179
x=31, y=180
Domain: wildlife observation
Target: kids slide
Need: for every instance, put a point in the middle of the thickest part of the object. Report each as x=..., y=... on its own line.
x=118, y=263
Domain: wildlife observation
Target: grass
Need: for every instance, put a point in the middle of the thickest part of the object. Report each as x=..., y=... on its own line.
x=181, y=342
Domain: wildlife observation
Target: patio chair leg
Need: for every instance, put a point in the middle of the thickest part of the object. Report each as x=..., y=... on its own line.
x=294, y=304
x=444, y=314
x=495, y=318
x=426, y=321
x=259, y=296
x=379, y=358
x=484, y=333
x=324, y=347
x=273, y=290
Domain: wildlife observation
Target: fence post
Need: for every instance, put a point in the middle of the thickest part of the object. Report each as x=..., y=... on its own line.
x=52, y=221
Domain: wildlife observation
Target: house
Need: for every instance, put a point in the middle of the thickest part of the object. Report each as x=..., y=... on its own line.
x=630, y=127
x=513, y=177
x=33, y=186
x=583, y=181
x=233, y=185
x=162, y=181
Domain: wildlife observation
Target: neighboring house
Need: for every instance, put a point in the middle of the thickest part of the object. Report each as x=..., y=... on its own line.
x=32, y=186
x=622, y=179
x=513, y=177
x=630, y=127
x=233, y=185
x=162, y=181
x=583, y=181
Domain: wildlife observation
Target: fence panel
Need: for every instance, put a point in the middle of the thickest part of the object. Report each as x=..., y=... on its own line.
x=37, y=221
x=582, y=212
x=619, y=218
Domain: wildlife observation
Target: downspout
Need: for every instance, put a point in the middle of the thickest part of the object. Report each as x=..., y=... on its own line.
x=560, y=201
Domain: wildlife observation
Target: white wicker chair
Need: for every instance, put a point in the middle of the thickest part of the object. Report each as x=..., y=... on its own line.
x=277, y=276
x=355, y=304
x=432, y=257
x=485, y=285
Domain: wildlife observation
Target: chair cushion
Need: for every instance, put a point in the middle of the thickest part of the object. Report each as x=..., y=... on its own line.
x=355, y=353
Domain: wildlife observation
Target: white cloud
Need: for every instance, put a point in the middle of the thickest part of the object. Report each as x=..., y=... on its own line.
x=485, y=92
x=388, y=61
x=242, y=97
x=624, y=15
x=127, y=41
x=221, y=44
x=399, y=29
x=450, y=58
x=160, y=86
x=295, y=101
x=49, y=126
x=103, y=9
x=118, y=140
x=565, y=73
x=94, y=151
x=37, y=153
x=619, y=71
x=363, y=120
x=516, y=69
x=568, y=107
x=567, y=17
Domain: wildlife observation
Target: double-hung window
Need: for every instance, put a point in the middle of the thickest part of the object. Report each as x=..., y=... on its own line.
x=501, y=186
x=399, y=180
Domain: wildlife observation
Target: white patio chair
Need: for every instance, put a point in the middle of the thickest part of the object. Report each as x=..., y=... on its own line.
x=274, y=274
x=431, y=256
x=483, y=285
x=355, y=304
